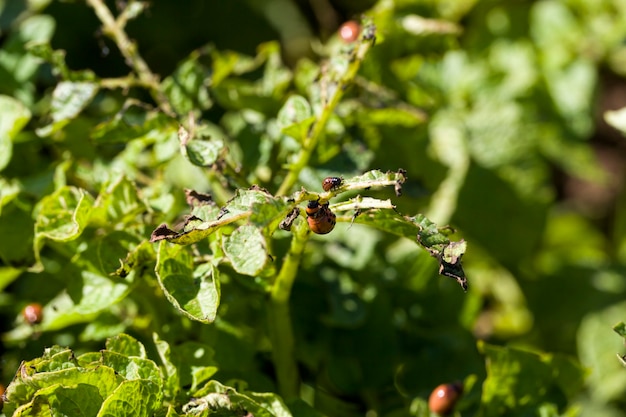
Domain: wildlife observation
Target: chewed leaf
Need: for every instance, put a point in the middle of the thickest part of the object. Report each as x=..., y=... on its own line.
x=373, y=179
x=196, y=228
x=224, y=400
x=431, y=237
x=450, y=262
x=193, y=290
x=245, y=248
x=194, y=231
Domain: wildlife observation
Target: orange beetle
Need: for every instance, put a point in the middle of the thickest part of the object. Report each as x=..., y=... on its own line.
x=33, y=313
x=349, y=31
x=443, y=398
x=330, y=183
x=320, y=218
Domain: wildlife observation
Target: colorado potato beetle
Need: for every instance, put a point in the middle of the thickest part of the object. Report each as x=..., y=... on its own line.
x=443, y=398
x=349, y=31
x=330, y=183
x=33, y=313
x=320, y=218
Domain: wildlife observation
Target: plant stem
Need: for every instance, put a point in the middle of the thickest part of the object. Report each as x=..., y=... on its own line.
x=340, y=78
x=280, y=327
x=129, y=50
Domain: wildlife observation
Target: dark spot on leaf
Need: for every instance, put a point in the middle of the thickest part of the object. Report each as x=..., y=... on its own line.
x=162, y=232
x=223, y=211
x=258, y=188
x=195, y=198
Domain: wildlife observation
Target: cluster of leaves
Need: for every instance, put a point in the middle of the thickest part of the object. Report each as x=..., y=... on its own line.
x=237, y=309
x=121, y=380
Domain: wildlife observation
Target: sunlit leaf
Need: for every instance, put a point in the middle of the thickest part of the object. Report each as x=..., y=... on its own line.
x=68, y=100
x=295, y=117
x=245, y=248
x=519, y=380
x=193, y=290
x=13, y=117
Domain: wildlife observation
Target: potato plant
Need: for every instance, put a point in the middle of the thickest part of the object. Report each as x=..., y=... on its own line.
x=280, y=233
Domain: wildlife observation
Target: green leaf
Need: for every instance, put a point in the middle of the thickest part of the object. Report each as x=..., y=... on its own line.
x=204, y=153
x=17, y=227
x=196, y=363
x=88, y=294
x=132, y=367
x=136, y=398
x=23, y=66
x=519, y=381
x=194, y=291
x=26, y=384
x=597, y=351
x=62, y=216
x=187, y=87
x=118, y=203
x=215, y=397
x=620, y=329
x=56, y=58
x=245, y=248
x=68, y=100
x=269, y=214
x=133, y=123
x=78, y=400
x=126, y=345
x=196, y=229
x=295, y=117
x=171, y=383
x=13, y=117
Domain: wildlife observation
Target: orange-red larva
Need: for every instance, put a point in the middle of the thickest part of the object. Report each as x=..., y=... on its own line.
x=320, y=218
x=350, y=31
x=443, y=398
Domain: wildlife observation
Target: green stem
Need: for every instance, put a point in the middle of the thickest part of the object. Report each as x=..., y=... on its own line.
x=340, y=82
x=280, y=327
x=129, y=50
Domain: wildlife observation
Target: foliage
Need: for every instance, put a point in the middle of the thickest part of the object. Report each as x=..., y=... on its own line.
x=156, y=204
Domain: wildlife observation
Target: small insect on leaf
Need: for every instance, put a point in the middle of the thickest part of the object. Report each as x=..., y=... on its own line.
x=331, y=183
